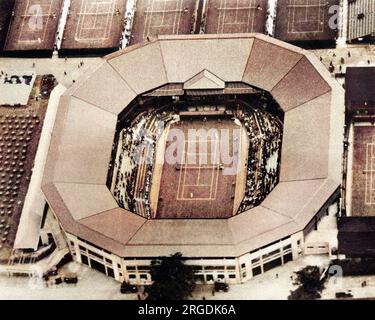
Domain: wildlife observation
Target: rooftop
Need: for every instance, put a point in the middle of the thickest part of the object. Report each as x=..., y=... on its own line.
x=81, y=144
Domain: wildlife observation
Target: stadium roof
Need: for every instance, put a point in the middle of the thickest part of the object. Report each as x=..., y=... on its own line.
x=80, y=151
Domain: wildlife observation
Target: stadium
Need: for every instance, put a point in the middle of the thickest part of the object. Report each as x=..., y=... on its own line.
x=226, y=148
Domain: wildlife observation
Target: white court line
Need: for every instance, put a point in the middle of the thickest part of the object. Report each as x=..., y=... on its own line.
x=179, y=179
x=150, y=13
x=179, y=18
x=146, y=29
x=223, y=17
x=79, y=29
x=292, y=22
x=370, y=151
x=251, y=7
x=24, y=21
x=85, y=11
x=163, y=14
x=214, y=174
x=175, y=18
x=253, y=17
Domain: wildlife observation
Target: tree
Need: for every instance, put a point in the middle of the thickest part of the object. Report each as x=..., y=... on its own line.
x=172, y=279
x=310, y=284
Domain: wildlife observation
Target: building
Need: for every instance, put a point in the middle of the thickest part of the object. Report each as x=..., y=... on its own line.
x=361, y=20
x=120, y=243
x=356, y=237
x=357, y=221
x=359, y=93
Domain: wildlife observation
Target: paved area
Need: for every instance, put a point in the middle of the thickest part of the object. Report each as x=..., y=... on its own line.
x=347, y=56
x=56, y=66
x=91, y=285
x=273, y=285
x=352, y=285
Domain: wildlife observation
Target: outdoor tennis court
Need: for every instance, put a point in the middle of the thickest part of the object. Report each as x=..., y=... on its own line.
x=225, y=16
x=34, y=25
x=94, y=24
x=162, y=17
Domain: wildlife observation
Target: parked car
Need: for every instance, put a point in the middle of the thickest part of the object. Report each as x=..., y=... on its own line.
x=343, y=294
x=128, y=288
x=71, y=279
x=221, y=286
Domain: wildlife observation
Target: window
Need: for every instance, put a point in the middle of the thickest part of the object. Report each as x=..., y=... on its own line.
x=119, y=266
x=93, y=245
x=288, y=257
x=254, y=261
x=243, y=265
x=108, y=261
x=272, y=264
x=256, y=271
x=289, y=246
x=199, y=277
x=272, y=253
x=221, y=276
x=244, y=274
x=95, y=254
x=97, y=266
x=110, y=272
x=214, y=267
x=231, y=267
x=143, y=276
x=209, y=277
x=130, y=268
x=82, y=248
x=232, y=276
x=132, y=276
x=84, y=260
x=144, y=267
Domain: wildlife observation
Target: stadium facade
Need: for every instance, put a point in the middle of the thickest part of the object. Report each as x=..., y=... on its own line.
x=120, y=243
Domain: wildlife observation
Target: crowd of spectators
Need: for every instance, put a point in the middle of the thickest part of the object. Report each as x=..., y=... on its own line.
x=136, y=148
x=135, y=161
x=264, y=131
